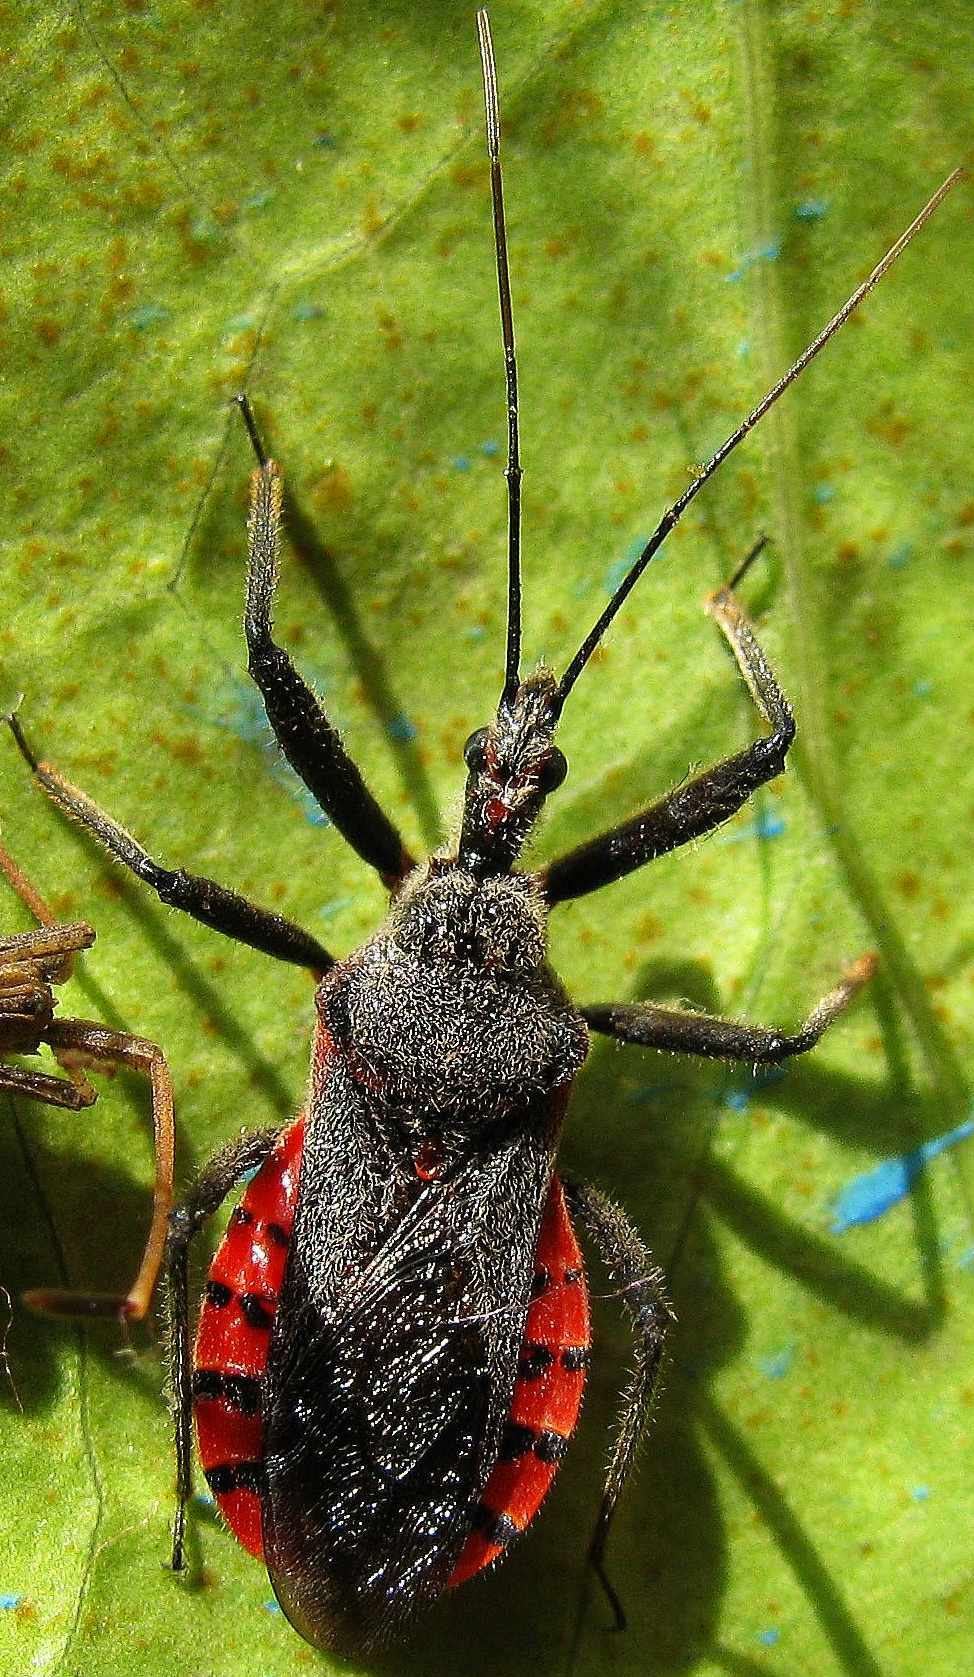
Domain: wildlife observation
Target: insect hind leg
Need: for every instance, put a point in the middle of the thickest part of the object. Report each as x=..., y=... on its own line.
x=678, y=1031
x=219, y=1177
x=642, y=1289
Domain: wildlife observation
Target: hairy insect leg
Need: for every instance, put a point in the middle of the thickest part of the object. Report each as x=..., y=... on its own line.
x=726, y=1039
x=213, y=905
x=95, y=1042
x=50, y=947
x=643, y=1292
x=53, y=944
x=703, y=803
x=72, y=1095
x=219, y=1177
x=30, y=964
x=309, y=742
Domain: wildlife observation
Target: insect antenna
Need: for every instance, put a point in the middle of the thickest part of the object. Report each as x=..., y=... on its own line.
x=512, y=471
x=676, y=511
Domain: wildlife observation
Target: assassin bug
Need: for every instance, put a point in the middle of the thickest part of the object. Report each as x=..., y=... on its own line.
x=31, y=965
x=392, y=1345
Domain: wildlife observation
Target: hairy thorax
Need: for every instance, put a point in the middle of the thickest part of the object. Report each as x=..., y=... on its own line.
x=450, y=1015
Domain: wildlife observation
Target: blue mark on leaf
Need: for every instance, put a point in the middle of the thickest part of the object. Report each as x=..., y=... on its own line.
x=768, y=824
x=778, y=1363
x=258, y=200
x=920, y=1493
x=868, y=1196
x=923, y=687
x=325, y=141
x=150, y=314
x=334, y=906
x=241, y=323
x=490, y=448
x=764, y=253
x=823, y=493
x=8, y=1602
x=737, y=1097
x=461, y=462
x=769, y=1638
x=308, y=311
x=900, y=556
x=810, y=209
x=620, y=568
x=400, y=728
x=204, y=227
x=243, y=716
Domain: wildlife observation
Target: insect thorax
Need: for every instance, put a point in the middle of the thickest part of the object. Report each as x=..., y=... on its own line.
x=450, y=1015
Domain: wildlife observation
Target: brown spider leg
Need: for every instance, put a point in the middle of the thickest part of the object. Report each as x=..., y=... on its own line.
x=725, y=1039
x=53, y=1091
x=118, y=1047
x=28, y=893
x=30, y=963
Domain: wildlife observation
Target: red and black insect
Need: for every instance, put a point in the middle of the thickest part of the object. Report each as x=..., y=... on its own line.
x=32, y=965
x=393, y=1342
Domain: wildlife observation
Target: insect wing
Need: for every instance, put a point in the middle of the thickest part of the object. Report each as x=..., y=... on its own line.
x=391, y=1368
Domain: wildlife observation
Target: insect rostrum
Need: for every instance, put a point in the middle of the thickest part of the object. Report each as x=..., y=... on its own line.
x=393, y=1342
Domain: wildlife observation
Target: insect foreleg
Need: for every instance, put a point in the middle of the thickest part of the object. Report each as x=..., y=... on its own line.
x=643, y=1292
x=220, y=1176
x=312, y=746
x=681, y=1032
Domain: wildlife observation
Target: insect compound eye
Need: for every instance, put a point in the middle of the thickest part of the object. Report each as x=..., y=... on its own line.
x=553, y=770
x=474, y=752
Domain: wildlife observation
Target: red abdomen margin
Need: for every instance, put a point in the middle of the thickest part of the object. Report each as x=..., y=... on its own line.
x=234, y=1334
x=547, y=1393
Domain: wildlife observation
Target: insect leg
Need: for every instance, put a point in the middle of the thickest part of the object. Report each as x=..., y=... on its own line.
x=52, y=945
x=703, y=803
x=95, y=1042
x=309, y=742
x=219, y=1177
x=53, y=1091
x=224, y=911
x=643, y=1292
x=680, y=1032
x=30, y=964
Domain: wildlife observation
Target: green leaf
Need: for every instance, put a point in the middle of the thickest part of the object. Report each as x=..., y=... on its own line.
x=294, y=198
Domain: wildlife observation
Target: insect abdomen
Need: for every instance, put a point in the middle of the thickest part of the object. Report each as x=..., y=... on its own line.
x=547, y=1394
x=233, y=1338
